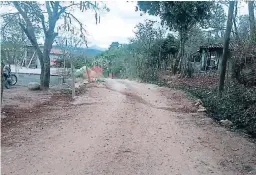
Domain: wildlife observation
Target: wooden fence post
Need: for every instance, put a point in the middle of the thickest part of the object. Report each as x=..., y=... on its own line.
x=88, y=75
x=73, y=79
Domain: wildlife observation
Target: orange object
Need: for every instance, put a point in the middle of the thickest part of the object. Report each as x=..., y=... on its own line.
x=97, y=70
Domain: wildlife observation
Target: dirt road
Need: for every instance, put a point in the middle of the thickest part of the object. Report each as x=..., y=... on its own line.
x=125, y=128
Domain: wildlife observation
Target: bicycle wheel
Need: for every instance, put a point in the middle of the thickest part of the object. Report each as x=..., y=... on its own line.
x=13, y=79
x=6, y=84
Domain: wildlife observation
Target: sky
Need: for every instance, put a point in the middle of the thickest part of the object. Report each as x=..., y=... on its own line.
x=118, y=24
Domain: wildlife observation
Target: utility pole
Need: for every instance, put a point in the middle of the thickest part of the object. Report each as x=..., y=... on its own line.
x=226, y=47
x=72, y=72
x=73, y=79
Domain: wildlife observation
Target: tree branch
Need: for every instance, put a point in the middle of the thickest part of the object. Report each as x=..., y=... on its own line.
x=29, y=29
x=56, y=8
x=23, y=14
x=52, y=4
x=66, y=7
x=33, y=42
x=81, y=25
x=63, y=9
x=8, y=14
x=48, y=8
x=9, y=20
x=234, y=23
x=43, y=24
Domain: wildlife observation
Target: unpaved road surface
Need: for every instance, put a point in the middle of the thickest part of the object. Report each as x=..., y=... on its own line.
x=123, y=128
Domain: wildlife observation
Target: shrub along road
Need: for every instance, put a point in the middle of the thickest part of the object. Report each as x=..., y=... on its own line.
x=123, y=127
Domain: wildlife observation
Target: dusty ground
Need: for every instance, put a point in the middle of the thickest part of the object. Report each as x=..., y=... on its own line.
x=21, y=97
x=122, y=127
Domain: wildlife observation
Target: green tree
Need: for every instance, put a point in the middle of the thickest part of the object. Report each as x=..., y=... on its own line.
x=179, y=16
x=46, y=16
x=146, y=54
x=114, y=45
x=13, y=40
x=243, y=26
x=217, y=21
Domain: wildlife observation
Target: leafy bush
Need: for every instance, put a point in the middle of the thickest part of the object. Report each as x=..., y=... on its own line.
x=148, y=74
x=80, y=72
x=237, y=104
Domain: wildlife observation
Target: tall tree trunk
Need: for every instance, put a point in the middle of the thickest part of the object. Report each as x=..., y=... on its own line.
x=45, y=65
x=180, y=56
x=159, y=59
x=251, y=17
x=29, y=30
x=226, y=46
x=45, y=72
x=235, y=74
x=2, y=80
x=182, y=49
x=234, y=22
x=40, y=54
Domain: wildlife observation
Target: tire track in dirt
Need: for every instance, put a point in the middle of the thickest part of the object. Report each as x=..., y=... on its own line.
x=134, y=97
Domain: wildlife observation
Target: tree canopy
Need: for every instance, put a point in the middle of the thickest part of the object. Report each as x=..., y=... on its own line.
x=179, y=16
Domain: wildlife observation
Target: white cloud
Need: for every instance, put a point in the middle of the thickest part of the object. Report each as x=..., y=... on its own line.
x=116, y=25
x=119, y=23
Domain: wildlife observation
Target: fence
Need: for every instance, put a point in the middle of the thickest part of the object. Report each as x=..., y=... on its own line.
x=25, y=75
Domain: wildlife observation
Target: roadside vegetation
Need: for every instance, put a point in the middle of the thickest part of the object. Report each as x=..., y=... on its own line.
x=168, y=55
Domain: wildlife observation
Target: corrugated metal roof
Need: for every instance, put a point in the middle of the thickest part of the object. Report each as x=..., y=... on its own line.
x=57, y=51
x=218, y=46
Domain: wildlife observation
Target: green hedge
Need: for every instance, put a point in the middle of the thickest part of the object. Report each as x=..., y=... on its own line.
x=237, y=104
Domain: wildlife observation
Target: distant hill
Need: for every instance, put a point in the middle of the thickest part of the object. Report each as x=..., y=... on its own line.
x=98, y=48
x=90, y=51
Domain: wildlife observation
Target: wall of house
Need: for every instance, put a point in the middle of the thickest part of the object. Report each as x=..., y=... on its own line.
x=38, y=63
x=203, y=59
x=29, y=52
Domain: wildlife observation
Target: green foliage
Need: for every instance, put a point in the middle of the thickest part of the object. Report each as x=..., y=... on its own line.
x=237, y=104
x=82, y=61
x=80, y=72
x=144, y=56
x=217, y=20
x=243, y=26
x=178, y=15
x=114, y=45
x=12, y=40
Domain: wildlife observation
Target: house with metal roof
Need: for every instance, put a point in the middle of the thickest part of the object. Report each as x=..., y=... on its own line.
x=211, y=55
x=31, y=59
